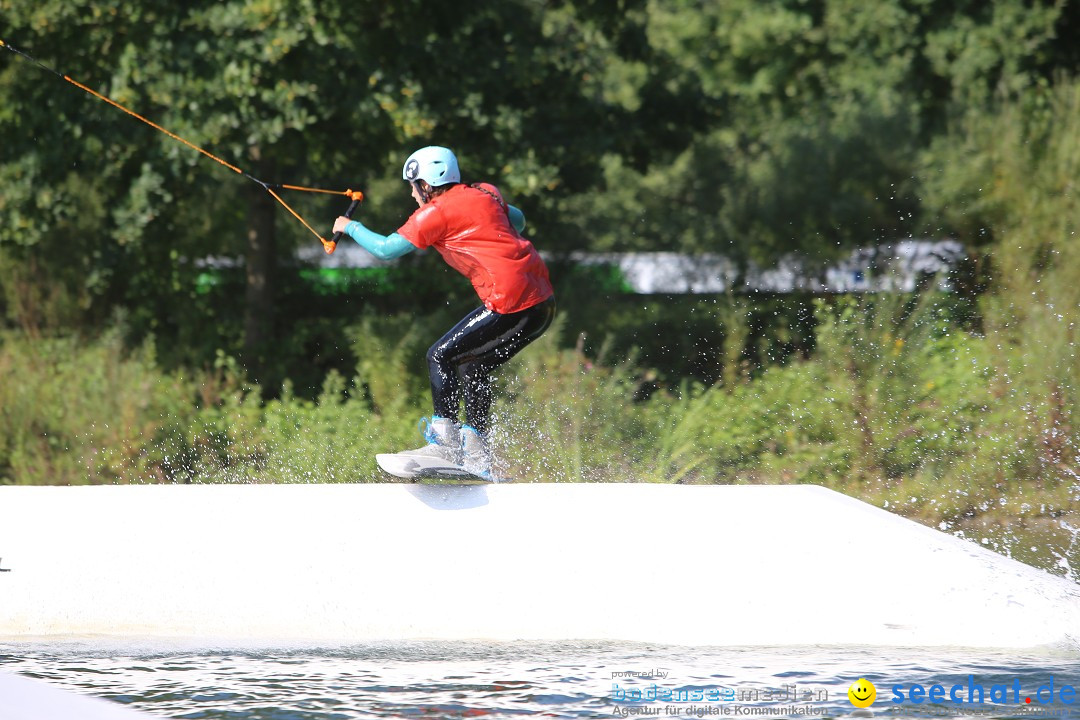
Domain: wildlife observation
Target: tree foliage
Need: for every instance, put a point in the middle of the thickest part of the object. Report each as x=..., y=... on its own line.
x=818, y=109
x=319, y=94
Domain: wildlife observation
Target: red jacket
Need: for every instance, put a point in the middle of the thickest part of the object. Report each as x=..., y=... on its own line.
x=471, y=230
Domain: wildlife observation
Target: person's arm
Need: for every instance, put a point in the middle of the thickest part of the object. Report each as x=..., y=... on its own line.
x=384, y=247
x=517, y=218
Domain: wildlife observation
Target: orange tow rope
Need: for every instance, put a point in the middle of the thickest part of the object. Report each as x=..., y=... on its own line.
x=328, y=245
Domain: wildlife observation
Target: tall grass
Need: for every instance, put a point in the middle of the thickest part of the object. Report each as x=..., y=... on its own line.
x=1033, y=315
x=77, y=413
x=895, y=399
x=1015, y=175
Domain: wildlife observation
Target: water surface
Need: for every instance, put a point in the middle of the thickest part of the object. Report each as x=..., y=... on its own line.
x=556, y=679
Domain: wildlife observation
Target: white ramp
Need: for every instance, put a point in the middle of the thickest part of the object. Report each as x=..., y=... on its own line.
x=702, y=565
x=25, y=699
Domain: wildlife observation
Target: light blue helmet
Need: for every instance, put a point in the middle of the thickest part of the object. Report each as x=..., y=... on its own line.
x=434, y=165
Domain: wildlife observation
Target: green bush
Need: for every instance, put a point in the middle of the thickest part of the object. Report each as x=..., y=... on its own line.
x=78, y=413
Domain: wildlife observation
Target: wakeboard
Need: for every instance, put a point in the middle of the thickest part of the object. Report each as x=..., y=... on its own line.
x=429, y=470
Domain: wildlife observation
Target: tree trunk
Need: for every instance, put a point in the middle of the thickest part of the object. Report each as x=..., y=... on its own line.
x=261, y=262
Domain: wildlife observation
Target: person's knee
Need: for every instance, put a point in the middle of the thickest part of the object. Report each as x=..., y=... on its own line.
x=436, y=356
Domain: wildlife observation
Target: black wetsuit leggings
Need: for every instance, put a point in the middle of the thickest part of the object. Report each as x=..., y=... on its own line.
x=462, y=360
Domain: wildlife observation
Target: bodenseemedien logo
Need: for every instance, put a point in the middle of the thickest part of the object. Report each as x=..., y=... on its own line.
x=862, y=693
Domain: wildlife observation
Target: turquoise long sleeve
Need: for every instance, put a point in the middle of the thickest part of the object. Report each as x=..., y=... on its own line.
x=384, y=247
x=517, y=218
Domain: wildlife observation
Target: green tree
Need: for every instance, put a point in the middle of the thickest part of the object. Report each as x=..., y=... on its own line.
x=817, y=110
x=328, y=94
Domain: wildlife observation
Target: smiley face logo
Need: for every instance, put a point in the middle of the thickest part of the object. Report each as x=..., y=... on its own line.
x=862, y=693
